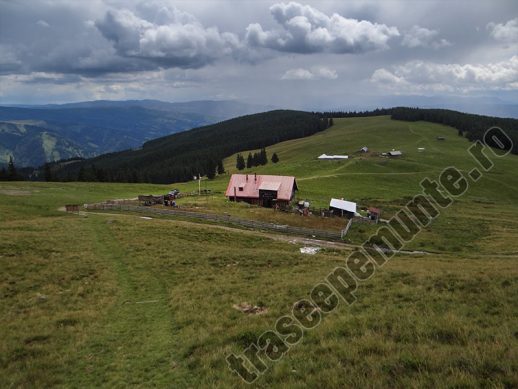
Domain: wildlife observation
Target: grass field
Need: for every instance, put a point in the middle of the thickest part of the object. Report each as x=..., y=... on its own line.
x=114, y=300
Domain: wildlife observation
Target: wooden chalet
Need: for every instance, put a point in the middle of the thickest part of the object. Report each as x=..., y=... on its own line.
x=263, y=190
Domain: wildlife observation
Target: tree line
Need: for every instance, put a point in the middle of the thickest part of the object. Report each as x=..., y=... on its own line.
x=180, y=157
x=201, y=151
x=255, y=159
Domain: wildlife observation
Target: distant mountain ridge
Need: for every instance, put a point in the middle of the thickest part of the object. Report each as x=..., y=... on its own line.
x=34, y=135
x=179, y=157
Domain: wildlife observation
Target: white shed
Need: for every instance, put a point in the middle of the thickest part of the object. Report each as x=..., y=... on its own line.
x=325, y=156
x=342, y=205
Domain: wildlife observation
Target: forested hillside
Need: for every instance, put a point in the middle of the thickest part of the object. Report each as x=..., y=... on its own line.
x=181, y=156
x=33, y=135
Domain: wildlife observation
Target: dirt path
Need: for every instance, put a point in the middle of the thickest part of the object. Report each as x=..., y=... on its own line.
x=366, y=174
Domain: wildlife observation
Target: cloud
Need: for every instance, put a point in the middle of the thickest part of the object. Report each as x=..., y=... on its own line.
x=383, y=76
x=42, y=23
x=305, y=29
x=419, y=36
x=418, y=76
x=507, y=32
x=172, y=39
x=317, y=73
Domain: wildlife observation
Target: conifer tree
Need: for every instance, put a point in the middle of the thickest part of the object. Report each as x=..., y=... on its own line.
x=240, y=162
x=12, y=175
x=221, y=168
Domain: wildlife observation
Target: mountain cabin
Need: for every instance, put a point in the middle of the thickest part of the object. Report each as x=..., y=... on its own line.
x=264, y=190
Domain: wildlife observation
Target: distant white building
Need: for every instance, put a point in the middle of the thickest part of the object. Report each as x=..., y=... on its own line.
x=325, y=156
x=364, y=149
x=395, y=153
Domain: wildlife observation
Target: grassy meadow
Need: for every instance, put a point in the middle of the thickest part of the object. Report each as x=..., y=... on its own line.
x=116, y=300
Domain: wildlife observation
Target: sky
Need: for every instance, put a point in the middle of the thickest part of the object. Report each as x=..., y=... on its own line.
x=307, y=54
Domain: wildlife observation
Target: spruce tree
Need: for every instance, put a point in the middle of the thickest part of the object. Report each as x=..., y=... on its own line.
x=275, y=158
x=263, y=157
x=221, y=168
x=250, y=161
x=12, y=175
x=240, y=162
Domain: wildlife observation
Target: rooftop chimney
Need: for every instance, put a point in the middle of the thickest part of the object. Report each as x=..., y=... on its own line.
x=255, y=177
x=247, y=178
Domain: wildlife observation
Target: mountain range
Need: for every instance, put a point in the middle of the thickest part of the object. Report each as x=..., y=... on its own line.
x=35, y=134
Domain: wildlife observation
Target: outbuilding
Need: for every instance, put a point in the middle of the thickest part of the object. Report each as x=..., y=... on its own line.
x=343, y=207
x=331, y=157
x=374, y=214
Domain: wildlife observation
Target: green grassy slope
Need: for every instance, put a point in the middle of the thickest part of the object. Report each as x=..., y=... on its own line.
x=370, y=176
x=473, y=223
x=115, y=300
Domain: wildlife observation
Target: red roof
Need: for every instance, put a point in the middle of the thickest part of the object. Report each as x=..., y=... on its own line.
x=374, y=210
x=250, y=187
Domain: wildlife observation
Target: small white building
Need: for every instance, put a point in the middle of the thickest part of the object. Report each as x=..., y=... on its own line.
x=364, y=149
x=325, y=156
x=395, y=153
x=346, y=208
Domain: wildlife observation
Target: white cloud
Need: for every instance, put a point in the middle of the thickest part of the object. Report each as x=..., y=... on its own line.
x=316, y=73
x=305, y=29
x=42, y=23
x=419, y=36
x=419, y=76
x=507, y=32
x=172, y=39
x=383, y=76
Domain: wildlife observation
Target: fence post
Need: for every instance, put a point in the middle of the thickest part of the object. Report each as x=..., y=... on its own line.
x=343, y=233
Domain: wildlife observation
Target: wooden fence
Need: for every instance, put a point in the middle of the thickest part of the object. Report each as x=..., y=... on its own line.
x=224, y=219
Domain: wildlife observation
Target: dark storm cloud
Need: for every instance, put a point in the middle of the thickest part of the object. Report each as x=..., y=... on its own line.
x=267, y=50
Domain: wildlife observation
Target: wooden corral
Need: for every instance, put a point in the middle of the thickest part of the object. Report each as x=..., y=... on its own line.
x=150, y=199
x=72, y=208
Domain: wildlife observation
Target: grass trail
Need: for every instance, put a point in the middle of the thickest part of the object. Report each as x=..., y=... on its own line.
x=140, y=314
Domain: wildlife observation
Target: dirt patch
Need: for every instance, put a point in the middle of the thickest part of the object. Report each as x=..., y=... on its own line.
x=14, y=192
x=250, y=309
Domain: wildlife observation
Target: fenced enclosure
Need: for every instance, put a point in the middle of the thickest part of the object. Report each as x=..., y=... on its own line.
x=222, y=219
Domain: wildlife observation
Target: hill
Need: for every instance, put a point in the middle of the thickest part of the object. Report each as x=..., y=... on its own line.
x=127, y=300
x=181, y=156
x=372, y=180
x=92, y=128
